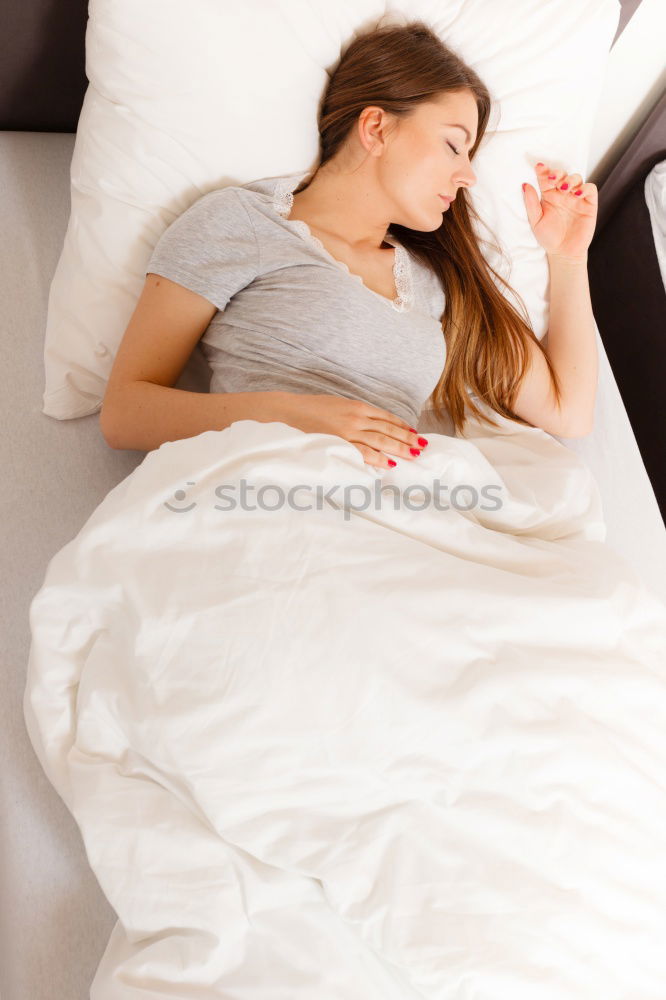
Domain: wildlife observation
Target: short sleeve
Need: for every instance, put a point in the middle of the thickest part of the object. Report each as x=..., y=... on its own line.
x=211, y=248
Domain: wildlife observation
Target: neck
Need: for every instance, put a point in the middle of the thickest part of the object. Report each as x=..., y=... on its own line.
x=340, y=205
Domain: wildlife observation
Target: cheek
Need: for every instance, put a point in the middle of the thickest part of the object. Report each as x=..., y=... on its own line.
x=422, y=154
x=438, y=159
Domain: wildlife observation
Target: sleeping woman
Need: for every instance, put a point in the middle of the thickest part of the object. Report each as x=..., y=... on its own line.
x=341, y=300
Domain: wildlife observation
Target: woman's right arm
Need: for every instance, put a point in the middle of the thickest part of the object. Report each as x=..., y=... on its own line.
x=149, y=414
x=140, y=409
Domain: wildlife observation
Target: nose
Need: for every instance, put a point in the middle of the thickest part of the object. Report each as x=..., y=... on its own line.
x=465, y=177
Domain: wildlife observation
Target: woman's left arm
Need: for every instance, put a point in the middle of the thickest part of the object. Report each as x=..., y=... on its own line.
x=563, y=221
x=571, y=341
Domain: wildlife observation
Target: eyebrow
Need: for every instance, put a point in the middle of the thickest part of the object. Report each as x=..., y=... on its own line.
x=469, y=138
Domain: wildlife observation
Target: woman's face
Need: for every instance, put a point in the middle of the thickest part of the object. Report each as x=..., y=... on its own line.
x=427, y=156
x=394, y=171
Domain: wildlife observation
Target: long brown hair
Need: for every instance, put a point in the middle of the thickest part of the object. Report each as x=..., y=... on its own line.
x=398, y=67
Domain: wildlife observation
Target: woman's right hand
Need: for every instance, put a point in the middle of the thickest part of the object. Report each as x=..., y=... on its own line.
x=376, y=433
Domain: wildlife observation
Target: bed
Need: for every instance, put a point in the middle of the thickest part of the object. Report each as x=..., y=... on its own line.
x=55, y=920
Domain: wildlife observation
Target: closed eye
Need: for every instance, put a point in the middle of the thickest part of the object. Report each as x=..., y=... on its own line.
x=453, y=148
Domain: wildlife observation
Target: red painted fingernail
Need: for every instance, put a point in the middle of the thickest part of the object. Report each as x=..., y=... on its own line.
x=391, y=462
x=414, y=451
x=423, y=442
x=413, y=430
x=564, y=187
x=578, y=192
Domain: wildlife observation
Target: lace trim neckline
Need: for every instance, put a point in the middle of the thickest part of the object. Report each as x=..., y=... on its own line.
x=283, y=200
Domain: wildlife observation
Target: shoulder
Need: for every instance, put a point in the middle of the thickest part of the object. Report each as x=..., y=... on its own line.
x=260, y=197
x=249, y=201
x=214, y=226
x=221, y=211
x=217, y=200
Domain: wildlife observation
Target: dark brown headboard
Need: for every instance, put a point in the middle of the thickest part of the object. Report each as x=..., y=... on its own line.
x=42, y=62
x=627, y=289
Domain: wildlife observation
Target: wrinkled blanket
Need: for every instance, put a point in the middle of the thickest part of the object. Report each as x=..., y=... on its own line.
x=393, y=734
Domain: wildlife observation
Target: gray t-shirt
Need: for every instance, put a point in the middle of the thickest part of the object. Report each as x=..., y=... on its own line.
x=292, y=317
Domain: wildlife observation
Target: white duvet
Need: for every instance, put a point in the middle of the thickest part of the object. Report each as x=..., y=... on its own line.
x=360, y=751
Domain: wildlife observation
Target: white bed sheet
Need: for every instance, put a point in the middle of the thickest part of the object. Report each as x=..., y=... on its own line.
x=359, y=745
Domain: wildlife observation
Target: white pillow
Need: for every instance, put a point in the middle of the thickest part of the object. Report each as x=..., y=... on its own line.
x=185, y=97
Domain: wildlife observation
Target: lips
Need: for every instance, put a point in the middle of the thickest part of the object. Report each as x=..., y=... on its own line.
x=446, y=198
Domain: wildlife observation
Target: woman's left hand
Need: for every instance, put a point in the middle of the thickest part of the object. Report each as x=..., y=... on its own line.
x=562, y=221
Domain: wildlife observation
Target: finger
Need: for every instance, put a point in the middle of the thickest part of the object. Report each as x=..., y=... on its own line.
x=589, y=193
x=377, y=413
x=374, y=458
x=393, y=445
x=551, y=178
x=394, y=428
x=569, y=182
x=410, y=437
x=532, y=205
x=548, y=176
